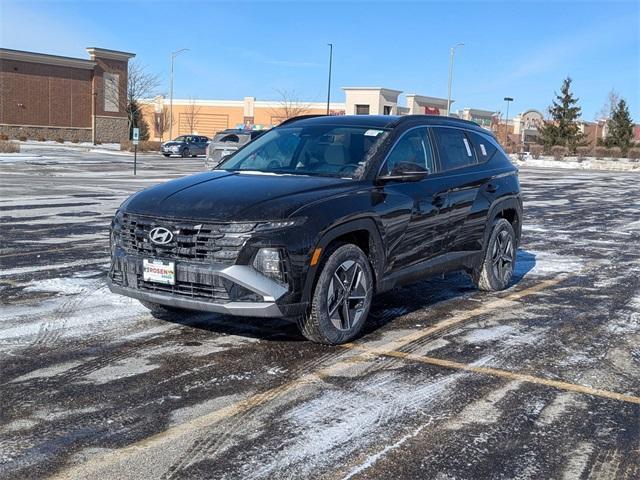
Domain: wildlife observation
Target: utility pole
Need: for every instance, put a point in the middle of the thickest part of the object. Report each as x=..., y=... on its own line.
x=506, y=121
x=173, y=56
x=453, y=52
x=329, y=85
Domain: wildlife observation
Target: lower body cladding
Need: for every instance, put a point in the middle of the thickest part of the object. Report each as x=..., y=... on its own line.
x=228, y=289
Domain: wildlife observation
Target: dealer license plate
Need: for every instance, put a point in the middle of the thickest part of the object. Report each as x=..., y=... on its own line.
x=159, y=271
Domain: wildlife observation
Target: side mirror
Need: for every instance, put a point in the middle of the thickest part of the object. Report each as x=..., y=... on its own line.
x=405, y=172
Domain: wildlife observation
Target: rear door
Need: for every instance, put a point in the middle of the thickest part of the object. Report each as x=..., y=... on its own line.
x=415, y=235
x=464, y=175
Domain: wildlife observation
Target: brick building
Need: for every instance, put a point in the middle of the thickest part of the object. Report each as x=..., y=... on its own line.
x=51, y=97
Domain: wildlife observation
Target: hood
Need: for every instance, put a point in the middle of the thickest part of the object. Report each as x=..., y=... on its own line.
x=233, y=196
x=171, y=143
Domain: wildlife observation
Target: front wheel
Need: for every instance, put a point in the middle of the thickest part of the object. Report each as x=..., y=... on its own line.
x=186, y=153
x=167, y=154
x=498, y=262
x=341, y=298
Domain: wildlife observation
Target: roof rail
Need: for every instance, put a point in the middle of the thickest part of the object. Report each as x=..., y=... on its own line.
x=301, y=117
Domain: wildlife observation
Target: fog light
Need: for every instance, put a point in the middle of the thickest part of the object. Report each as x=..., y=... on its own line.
x=269, y=262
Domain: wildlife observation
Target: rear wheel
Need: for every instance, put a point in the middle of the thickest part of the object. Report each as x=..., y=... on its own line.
x=499, y=260
x=341, y=298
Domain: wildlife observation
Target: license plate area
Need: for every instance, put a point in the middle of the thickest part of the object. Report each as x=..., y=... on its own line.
x=159, y=271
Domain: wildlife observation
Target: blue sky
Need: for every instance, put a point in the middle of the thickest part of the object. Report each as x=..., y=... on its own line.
x=518, y=49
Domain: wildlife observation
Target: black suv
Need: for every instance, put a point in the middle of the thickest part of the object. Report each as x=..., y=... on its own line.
x=315, y=216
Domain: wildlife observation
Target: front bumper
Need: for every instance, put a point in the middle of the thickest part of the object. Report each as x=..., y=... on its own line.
x=260, y=292
x=243, y=309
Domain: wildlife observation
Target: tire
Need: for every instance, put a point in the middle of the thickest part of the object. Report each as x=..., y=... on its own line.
x=336, y=314
x=160, y=311
x=499, y=258
x=167, y=154
x=186, y=153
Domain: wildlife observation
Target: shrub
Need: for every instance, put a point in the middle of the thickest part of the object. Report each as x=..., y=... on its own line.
x=4, y=136
x=614, y=152
x=143, y=146
x=60, y=140
x=634, y=153
x=583, y=152
x=536, y=151
x=42, y=139
x=22, y=138
x=9, y=147
x=75, y=140
x=600, y=152
x=559, y=152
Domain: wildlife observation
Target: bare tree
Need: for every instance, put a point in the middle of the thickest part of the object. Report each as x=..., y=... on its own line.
x=161, y=122
x=289, y=106
x=141, y=84
x=610, y=103
x=191, y=114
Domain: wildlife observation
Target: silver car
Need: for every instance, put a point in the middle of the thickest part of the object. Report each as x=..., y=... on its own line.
x=227, y=142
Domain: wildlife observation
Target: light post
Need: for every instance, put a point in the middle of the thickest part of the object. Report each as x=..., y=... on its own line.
x=506, y=122
x=173, y=56
x=453, y=52
x=329, y=85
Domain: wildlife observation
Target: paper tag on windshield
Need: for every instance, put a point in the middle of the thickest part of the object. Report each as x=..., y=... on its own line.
x=372, y=133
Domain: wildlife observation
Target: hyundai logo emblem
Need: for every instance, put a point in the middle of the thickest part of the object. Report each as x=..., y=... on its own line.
x=160, y=235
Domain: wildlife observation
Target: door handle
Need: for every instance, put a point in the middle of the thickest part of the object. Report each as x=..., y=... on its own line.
x=438, y=200
x=491, y=187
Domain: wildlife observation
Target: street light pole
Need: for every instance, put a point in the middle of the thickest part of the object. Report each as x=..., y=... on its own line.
x=506, y=121
x=173, y=56
x=329, y=85
x=453, y=52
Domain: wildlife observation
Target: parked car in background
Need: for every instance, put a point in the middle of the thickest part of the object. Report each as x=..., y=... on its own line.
x=186, y=146
x=313, y=218
x=227, y=142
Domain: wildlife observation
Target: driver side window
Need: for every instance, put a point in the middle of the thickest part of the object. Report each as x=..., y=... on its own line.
x=411, y=153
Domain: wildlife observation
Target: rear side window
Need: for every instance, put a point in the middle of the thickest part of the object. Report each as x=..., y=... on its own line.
x=454, y=148
x=485, y=149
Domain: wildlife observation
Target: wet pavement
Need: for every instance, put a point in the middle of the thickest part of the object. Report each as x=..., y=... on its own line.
x=539, y=381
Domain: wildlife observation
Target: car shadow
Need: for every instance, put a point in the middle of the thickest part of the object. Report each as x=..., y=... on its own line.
x=386, y=307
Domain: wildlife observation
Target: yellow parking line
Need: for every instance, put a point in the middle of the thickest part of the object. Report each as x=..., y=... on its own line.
x=89, y=469
x=571, y=387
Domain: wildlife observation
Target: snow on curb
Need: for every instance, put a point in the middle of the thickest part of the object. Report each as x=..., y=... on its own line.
x=589, y=163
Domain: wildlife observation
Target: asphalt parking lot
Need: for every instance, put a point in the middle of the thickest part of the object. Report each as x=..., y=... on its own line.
x=539, y=381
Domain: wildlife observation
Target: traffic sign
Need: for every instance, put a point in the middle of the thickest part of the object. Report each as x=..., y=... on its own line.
x=136, y=136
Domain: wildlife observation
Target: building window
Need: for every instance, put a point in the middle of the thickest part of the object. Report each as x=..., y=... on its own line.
x=362, y=109
x=386, y=110
x=111, y=84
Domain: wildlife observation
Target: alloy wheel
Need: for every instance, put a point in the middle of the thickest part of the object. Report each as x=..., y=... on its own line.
x=502, y=256
x=347, y=295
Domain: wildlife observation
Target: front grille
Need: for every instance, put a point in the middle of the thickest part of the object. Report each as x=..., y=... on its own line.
x=191, y=241
x=215, y=293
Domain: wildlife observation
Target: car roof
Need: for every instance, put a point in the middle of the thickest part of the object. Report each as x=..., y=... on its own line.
x=382, y=121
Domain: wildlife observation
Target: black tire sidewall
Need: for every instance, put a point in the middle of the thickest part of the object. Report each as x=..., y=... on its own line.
x=328, y=332
x=499, y=225
x=186, y=153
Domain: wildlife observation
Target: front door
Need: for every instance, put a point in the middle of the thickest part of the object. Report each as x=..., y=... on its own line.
x=415, y=227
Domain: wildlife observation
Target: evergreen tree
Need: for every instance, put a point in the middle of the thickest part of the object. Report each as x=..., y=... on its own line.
x=563, y=129
x=620, y=127
x=134, y=113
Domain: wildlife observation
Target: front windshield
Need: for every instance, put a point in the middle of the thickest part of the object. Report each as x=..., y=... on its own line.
x=318, y=150
x=180, y=139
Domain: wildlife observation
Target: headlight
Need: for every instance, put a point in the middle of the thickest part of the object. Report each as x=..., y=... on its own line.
x=174, y=148
x=237, y=227
x=291, y=222
x=268, y=261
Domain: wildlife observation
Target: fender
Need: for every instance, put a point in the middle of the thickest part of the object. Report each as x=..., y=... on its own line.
x=508, y=202
x=376, y=249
